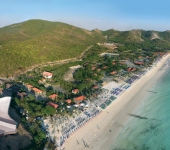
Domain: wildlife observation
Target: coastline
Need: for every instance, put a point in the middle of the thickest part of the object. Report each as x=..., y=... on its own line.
x=100, y=132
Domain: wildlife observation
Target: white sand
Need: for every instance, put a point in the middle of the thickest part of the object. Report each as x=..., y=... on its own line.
x=96, y=133
x=109, y=86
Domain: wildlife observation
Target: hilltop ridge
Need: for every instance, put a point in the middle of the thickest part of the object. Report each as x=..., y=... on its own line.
x=34, y=42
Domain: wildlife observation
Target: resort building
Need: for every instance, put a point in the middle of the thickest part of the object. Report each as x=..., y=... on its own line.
x=47, y=75
x=139, y=63
x=131, y=69
x=108, y=44
x=29, y=86
x=68, y=101
x=105, y=67
x=53, y=96
x=113, y=72
x=111, y=55
x=79, y=99
x=52, y=105
x=95, y=87
x=37, y=91
x=7, y=125
x=42, y=80
x=93, y=68
x=75, y=91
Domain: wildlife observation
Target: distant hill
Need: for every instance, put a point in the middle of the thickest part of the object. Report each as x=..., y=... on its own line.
x=139, y=39
x=32, y=42
x=37, y=41
x=135, y=35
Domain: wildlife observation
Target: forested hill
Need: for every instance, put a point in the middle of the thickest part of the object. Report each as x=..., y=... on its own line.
x=148, y=40
x=37, y=41
x=135, y=35
x=34, y=42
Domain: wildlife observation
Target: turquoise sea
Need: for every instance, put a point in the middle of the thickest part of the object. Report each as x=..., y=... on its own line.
x=150, y=128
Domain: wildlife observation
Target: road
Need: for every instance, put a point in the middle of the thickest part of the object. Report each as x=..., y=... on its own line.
x=52, y=63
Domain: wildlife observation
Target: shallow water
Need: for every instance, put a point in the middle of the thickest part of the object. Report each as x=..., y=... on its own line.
x=150, y=128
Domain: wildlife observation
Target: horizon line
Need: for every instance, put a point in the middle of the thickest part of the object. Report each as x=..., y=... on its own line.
x=80, y=26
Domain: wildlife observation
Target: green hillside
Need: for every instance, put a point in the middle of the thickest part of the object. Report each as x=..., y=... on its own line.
x=33, y=42
x=137, y=36
x=37, y=41
x=123, y=36
x=139, y=39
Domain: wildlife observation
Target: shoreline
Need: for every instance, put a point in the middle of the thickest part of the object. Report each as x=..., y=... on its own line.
x=101, y=131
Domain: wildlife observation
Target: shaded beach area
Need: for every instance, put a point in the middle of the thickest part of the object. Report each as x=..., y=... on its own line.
x=100, y=132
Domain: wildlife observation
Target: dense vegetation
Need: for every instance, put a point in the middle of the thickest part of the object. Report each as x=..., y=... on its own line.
x=140, y=39
x=27, y=45
x=36, y=41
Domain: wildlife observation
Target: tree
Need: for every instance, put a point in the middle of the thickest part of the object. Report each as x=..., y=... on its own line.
x=49, y=90
x=48, y=110
x=30, y=97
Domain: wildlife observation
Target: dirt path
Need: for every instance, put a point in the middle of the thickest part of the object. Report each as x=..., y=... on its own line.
x=79, y=58
x=68, y=76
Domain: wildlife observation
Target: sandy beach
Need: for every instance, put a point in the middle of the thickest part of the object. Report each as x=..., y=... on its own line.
x=100, y=132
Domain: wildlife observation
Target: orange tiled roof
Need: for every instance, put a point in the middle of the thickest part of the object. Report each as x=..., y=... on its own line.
x=133, y=69
x=93, y=68
x=75, y=91
x=37, y=90
x=113, y=72
x=45, y=73
x=129, y=69
x=53, y=96
x=139, y=63
x=95, y=87
x=68, y=101
x=80, y=98
x=29, y=86
x=52, y=104
x=105, y=67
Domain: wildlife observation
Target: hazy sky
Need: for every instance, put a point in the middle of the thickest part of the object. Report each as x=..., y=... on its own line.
x=90, y=14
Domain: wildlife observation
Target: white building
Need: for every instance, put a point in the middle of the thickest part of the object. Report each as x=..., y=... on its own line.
x=47, y=75
x=7, y=125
